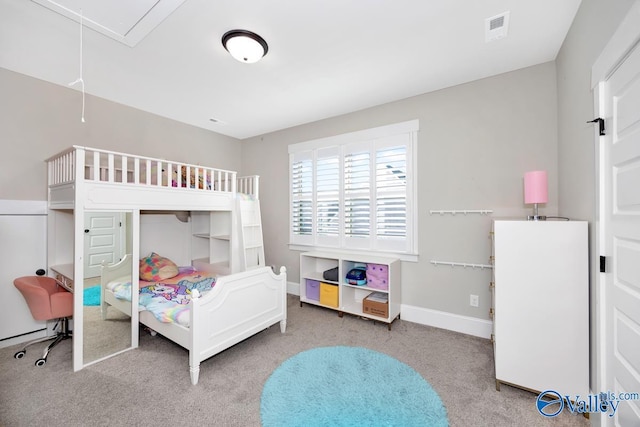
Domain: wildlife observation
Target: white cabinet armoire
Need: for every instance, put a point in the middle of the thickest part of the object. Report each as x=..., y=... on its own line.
x=23, y=251
x=541, y=305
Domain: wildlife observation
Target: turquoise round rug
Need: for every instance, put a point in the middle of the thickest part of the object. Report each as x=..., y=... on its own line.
x=92, y=295
x=348, y=386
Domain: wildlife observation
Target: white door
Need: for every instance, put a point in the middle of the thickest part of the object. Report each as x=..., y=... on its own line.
x=620, y=169
x=101, y=240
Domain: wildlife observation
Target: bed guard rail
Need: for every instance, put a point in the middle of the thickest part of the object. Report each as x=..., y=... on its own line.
x=93, y=164
x=249, y=185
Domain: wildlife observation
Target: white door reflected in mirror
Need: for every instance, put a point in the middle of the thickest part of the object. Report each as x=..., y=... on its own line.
x=107, y=239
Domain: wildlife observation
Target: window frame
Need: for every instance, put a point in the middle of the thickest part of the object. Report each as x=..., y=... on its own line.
x=373, y=140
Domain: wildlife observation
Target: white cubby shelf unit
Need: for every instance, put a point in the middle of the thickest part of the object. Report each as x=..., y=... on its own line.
x=211, y=244
x=350, y=297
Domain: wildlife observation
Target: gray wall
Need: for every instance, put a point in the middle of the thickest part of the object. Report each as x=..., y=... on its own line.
x=475, y=143
x=39, y=119
x=595, y=23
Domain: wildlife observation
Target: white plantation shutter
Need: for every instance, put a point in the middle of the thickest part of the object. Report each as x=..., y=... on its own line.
x=391, y=212
x=302, y=198
x=356, y=191
x=391, y=194
x=327, y=195
x=357, y=195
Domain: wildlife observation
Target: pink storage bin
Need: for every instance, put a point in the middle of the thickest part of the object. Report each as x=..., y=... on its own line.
x=378, y=276
x=313, y=289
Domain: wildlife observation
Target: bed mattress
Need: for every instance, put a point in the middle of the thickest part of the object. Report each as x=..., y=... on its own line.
x=168, y=300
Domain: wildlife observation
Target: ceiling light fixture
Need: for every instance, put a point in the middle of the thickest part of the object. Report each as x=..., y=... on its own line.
x=244, y=45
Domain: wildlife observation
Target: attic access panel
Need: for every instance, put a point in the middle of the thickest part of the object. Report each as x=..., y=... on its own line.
x=123, y=20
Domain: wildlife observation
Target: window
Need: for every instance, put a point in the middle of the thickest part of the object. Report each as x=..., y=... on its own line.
x=356, y=191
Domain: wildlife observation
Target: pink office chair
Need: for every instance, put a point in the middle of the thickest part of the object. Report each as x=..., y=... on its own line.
x=46, y=301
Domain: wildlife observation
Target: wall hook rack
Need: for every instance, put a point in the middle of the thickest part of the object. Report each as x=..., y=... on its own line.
x=461, y=264
x=462, y=211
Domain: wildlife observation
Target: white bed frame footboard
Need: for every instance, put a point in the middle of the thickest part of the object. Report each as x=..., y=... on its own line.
x=239, y=306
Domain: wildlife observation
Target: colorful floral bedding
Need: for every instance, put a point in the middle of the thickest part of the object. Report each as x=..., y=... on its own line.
x=169, y=299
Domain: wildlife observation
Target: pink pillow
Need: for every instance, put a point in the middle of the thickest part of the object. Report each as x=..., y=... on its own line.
x=154, y=268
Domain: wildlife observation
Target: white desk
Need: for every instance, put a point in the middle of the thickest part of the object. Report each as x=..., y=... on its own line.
x=64, y=275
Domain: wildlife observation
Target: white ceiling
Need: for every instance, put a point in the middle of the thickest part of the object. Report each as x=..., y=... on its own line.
x=326, y=57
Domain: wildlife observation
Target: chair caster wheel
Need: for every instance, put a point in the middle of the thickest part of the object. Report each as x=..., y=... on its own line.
x=41, y=362
x=20, y=354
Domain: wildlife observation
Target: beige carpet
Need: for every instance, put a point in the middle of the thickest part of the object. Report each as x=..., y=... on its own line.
x=150, y=386
x=104, y=336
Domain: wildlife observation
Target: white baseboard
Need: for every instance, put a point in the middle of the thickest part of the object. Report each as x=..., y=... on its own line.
x=439, y=319
x=23, y=338
x=293, y=288
x=452, y=322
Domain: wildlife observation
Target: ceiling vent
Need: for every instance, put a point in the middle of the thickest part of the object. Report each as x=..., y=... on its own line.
x=496, y=27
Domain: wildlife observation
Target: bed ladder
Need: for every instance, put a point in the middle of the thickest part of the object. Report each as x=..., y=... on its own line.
x=251, y=234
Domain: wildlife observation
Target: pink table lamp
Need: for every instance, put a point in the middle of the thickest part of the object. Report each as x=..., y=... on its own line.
x=535, y=191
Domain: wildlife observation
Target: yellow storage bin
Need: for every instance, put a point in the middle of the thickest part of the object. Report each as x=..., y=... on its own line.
x=329, y=294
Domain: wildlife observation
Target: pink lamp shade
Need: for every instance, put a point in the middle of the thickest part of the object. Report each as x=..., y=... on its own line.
x=535, y=187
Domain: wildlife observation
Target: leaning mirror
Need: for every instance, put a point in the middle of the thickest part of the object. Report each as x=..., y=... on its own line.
x=106, y=322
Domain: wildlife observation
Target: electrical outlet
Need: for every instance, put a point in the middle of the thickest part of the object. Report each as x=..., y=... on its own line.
x=474, y=300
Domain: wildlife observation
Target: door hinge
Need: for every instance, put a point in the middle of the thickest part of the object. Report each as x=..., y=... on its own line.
x=603, y=264
x=600, y=122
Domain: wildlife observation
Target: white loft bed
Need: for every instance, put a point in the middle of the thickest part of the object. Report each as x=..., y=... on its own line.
x=84, y=179
x=89, y=178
